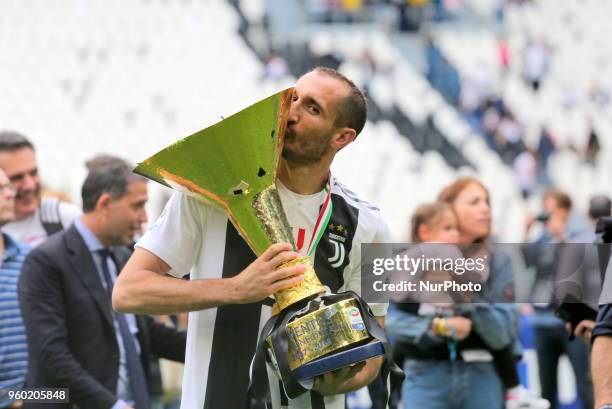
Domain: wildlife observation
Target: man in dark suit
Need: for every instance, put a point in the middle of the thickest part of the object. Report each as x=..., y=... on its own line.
x=75, y=339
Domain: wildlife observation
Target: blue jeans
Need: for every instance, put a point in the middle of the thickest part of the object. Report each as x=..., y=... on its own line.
x=433, y=384
x=156, y=402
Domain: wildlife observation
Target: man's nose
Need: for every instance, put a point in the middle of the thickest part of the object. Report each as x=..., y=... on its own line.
x=28, y=182
x=143, y=217
x=484, y=208
x=293, y=116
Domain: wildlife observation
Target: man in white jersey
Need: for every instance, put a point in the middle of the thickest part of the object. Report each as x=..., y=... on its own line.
x=229, y=286
x=36, y=218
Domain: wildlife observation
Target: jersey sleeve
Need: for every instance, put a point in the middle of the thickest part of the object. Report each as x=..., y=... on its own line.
x=353, y=272
x=176, y=235
x=67, y=213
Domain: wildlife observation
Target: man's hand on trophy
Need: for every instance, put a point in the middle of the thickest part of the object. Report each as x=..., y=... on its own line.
x=262, y=278
x=332, y=383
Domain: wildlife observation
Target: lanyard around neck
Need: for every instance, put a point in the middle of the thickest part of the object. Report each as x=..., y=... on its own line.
x=322, y=220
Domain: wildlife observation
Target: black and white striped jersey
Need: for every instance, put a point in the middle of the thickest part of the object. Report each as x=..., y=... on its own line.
x=192, y=237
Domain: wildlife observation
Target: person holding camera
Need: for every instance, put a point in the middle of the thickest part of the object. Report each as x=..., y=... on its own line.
x=600, y=207
x=551, y=338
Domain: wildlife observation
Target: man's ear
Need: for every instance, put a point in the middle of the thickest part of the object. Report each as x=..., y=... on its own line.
x=104, y=201
x=343, y=137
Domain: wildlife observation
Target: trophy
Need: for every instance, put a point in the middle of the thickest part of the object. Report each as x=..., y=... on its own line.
x=232, y=165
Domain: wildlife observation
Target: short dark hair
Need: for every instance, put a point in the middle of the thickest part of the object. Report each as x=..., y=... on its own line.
x=600, y=206
x=102, y=159
x=12, y=141
x=111, y=176
x=353, y=109
x=561, y=198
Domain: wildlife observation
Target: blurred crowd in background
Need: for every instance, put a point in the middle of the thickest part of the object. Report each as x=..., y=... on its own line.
x=512, y=93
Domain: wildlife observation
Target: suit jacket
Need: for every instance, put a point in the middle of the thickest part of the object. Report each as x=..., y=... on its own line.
x=69, y=325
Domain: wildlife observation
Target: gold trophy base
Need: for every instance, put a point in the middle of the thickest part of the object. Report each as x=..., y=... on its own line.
x=327, y=330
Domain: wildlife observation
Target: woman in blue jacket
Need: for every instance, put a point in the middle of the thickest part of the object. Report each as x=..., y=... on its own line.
x=449, y=352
